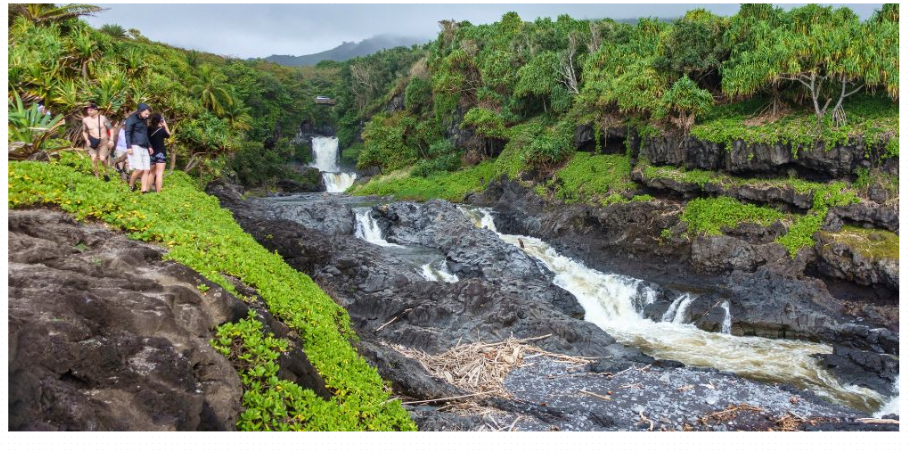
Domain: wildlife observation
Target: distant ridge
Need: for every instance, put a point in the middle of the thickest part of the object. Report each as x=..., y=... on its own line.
x=348, y=50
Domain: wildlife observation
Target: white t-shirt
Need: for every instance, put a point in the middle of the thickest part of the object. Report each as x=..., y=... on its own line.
x=121, y=140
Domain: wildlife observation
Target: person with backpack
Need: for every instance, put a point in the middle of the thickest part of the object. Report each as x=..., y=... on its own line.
x=95, y=131
x=158, y=134
x=137, y=146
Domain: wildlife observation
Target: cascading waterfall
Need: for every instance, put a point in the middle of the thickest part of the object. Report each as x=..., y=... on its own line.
x=726, y=322
x=367, y=229
x=609, y=300
x=438, y=271
x=677, y=312
x=325, y=159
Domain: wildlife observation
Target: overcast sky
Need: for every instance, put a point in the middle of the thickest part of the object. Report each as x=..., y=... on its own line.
x=258, y=30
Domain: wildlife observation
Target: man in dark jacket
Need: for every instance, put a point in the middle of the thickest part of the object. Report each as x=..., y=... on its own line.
x=137, y=147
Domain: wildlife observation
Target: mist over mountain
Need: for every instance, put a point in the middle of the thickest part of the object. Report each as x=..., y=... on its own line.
x=349, y=50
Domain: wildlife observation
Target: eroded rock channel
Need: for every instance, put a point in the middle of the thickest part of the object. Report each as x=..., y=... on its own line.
x=670, y=351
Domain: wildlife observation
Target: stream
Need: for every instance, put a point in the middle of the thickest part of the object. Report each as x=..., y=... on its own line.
x=612, y=302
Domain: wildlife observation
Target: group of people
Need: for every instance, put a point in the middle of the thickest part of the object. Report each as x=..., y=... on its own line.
x=138, y=145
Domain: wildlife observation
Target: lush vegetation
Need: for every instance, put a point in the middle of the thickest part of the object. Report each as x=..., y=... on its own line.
x=763, y=75
x=215, y=106
x=589, y=178
x=202, y=235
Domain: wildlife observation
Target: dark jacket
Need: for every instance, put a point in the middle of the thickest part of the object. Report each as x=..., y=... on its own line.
x=136, y=131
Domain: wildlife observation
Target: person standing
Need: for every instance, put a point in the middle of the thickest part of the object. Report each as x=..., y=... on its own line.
x=158, y=133
x=137, y=146
x=120, y=150
x=95, y=131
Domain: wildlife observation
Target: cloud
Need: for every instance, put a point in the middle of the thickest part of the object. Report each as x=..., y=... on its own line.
x=253, y=30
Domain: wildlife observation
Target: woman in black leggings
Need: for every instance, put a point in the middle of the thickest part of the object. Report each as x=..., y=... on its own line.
x=157, y=133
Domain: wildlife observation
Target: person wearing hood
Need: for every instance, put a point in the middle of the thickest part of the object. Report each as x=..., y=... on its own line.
x=138, y=147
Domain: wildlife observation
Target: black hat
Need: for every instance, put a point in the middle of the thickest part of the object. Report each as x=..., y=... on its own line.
x=90, y=105
x=142, y=107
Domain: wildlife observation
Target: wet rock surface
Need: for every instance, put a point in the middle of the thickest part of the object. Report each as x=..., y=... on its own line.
x=378, y=286
x=501, y=293
x=104, y=335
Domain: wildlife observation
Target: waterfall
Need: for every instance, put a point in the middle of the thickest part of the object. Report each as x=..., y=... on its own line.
x=726, y=322
x=438, y=272
x=325, y=158
x=367, y=229
x=677, y=312
x=608, y=300
x=324, y=154
x=338, y=181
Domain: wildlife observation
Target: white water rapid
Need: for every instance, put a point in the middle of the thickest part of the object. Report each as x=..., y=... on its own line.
x=612, y=302
x=892, y=405
x=367, y=229
x=325, y=159
x=438, y=271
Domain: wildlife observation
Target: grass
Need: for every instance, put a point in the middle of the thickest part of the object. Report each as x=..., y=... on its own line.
x=710, y=215
x=451, y=186
x=593, y=179
x=871, y=118
x=874, y=245
x=203, y=236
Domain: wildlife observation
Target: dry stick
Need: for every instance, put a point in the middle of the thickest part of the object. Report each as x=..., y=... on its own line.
x=520, y=341
x=386, y=324
x=645, y=419
x=603, y=397
x=878, y=421
x=445, y=398
x=511, y=428
x=392, y=320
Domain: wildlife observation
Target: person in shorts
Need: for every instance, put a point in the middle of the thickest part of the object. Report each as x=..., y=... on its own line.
x=158, y=132
x=137, y=146
x=120, y=157
x=95, y=131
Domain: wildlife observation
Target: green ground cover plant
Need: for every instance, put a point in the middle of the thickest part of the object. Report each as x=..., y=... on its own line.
x=202, y=235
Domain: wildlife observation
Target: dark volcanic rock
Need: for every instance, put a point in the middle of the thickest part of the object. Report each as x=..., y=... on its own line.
x=869, y=213
x=376, y=286
x=104, y=335
x=309, y=179
x=843, y=262
x=861, y=368
x=756, y=158
x=331, y=216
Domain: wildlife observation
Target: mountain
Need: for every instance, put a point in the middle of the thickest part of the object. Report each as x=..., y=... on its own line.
x=348, y=50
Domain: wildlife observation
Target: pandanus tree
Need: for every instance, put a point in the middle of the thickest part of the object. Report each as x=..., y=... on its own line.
x=683, y=102
x=826, y=51
x=30, y=130
x=83, y=49
x=693, y=45
x=751, y=40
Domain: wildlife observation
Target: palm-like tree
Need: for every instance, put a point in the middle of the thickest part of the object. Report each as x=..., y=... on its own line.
x=238, y=116
x=110, y=90
x=42, y=79
x=29, y=129
x=114, y=30
x=83, y=48
x=209, y=86
x=41, y=13
x=134, y=61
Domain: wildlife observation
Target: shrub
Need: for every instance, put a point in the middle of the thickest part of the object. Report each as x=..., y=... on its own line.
x=201, y=235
